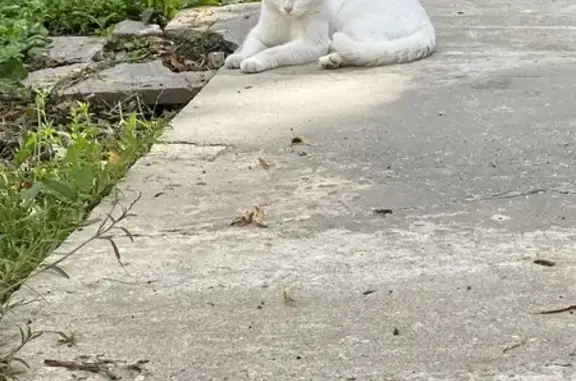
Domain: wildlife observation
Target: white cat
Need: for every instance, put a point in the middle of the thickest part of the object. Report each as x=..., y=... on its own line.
x=336, y=33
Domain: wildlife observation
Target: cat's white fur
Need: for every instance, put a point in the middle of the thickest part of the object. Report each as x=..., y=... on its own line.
x=336, y=33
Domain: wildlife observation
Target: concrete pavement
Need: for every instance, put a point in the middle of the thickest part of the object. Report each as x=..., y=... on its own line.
x=473, y=150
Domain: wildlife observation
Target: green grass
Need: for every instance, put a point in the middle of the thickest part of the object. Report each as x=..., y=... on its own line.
x=84, y=17
x=57, y=175
x=61, y=168
x=26, y=25
x=68, y=157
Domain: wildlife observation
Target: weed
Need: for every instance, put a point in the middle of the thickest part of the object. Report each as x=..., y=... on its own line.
x=62, y=167
x=11, y=364
x=21, y=40
x=56, y=176
x=25, y=26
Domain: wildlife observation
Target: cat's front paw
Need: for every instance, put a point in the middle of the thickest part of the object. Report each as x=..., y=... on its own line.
x=331, y=61
x=233, y=61
x=254, y=65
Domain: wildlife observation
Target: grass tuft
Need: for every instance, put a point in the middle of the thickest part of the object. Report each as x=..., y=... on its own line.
x=61, y=169
x=69, y=156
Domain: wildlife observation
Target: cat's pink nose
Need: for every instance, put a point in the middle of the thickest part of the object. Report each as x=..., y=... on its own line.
x=288, y=9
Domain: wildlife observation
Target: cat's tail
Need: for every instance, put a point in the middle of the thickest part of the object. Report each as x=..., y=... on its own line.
x=420, y=44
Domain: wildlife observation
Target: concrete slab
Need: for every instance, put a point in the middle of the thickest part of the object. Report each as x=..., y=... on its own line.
x=47, y=78
x=136, y=28
x=152, y=81
x=472, y=151
x=70, y=50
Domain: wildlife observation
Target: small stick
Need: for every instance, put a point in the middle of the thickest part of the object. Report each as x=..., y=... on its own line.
x=88, y=367
x=514, y=346
x=559, y=310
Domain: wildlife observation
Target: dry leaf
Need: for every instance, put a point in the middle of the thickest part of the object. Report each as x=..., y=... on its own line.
x=263, y=163
x=239, y=221
x=24, y=185
x=113, y=158
x=287, y=296
x=256, y=216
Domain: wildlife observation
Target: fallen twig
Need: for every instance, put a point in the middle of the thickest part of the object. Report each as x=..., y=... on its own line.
x=559, y=310
x=99, y=366
x=509, y=348
x=92, y=367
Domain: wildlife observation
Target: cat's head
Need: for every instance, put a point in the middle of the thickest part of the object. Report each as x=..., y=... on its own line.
x=295, y=8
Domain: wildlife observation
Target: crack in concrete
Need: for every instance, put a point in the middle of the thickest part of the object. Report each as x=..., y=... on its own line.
x=499, y=196
x=510, y=195
x=184, y=142
x=516, y=194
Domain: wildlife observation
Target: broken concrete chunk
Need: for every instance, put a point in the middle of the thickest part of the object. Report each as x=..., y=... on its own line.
x=154, y=83
x=137, y=29
x=233, y=22
x=47, y=78
x=74, y=49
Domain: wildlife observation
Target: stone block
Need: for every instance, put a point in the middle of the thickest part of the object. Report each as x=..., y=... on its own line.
x=136, y=28
x=75, y=49
x=154, y=83
x=47, y=78
x=233, y=22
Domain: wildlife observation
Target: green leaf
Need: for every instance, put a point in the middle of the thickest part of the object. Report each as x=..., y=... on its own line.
x=13, y=68
x=32, y=192
x=114, y=248
x=128, y=234
x=148, y=15
x=89, y=222
x=59, y=271
x=84, y=179
x=63, y=190
x=20, y=361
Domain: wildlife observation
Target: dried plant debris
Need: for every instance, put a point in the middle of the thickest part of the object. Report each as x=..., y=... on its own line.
x=185, y=52
x=570, y=309
x=254, y=216
x=545, y=262
x=264, y=164
x=288, y=298
x=383, y=211
x=68, y=340
x=514, y=346
x=104, y=367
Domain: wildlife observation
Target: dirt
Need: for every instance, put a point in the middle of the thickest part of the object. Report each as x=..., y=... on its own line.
x=187, y=52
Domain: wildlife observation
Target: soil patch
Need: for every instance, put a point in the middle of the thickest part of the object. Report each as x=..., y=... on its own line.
x=186, y=52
